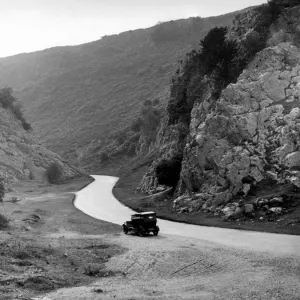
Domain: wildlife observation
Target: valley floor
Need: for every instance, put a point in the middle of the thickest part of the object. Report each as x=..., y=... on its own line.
x=60, y=253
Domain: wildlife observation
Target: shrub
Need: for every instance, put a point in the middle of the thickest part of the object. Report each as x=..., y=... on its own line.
x=274, y=9
x=9, y=102
x=148, y=122
x=165, y=32
x=54, y=172
x=168, y=171
x=104, y=157
x=2, y=190
x=94, y=271
x=136, y=126
x=155, y=102
x=120, y=139
x=4, y=221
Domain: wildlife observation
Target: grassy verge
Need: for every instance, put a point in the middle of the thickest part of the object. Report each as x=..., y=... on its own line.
x=49, y=244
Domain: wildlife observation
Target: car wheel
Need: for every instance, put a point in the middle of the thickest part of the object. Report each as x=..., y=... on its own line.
x=140, y=233
x=155, y=232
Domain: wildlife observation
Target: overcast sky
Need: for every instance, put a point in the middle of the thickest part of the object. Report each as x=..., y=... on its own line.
x=30, y=25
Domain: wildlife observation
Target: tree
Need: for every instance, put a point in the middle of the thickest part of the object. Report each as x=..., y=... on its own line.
x=104, y=157
x=54, y=172
x=168, y=171
x=9, y=102
x=6, y=97
x=212, y=48
x=275, y=8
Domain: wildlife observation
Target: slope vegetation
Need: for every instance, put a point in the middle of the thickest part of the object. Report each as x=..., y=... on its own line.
x=21, y=156
x=78, y=99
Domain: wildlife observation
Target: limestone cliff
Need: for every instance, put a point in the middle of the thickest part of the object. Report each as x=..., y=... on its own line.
x=21, y=157
x=251, y=132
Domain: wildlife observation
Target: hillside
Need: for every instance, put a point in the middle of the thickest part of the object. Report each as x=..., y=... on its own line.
x=22, y=157
x=78, y=99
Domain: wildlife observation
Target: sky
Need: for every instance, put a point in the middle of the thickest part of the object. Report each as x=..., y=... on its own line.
x=31, y=25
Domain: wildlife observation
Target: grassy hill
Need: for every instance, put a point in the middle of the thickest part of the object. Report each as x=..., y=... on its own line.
x=79, y=98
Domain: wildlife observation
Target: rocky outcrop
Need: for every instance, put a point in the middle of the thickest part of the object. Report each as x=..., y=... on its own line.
x=21, y=157
x=251, y=134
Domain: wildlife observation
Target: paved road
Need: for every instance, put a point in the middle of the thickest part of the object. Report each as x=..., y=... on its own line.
x=98, y=201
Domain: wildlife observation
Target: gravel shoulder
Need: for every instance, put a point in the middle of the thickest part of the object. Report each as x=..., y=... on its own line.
x=170, y=267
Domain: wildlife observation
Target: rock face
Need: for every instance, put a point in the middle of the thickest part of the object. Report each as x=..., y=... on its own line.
x=252, y=132
x=21, y=157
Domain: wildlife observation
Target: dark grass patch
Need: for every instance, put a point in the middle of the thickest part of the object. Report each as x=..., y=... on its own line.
x=4, y=222
x=97, y=270
x=41, y=283
x=46, y=267
x=97, y=247
x=22, y=263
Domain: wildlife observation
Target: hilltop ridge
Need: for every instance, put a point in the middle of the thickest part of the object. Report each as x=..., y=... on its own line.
x=79, y=99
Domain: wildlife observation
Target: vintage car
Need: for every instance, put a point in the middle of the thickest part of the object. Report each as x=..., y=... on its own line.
x=142, y=224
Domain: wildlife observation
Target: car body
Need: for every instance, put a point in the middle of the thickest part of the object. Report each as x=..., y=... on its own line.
x=142, y=224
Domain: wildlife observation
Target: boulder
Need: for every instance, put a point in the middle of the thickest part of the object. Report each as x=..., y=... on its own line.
x=272, y=175
x=229, y=210
x=292, y=159
x=276, y=210
x=276, y=200
x=249, y=208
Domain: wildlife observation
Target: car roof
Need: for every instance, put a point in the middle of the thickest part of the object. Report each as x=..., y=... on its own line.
x=145, y=213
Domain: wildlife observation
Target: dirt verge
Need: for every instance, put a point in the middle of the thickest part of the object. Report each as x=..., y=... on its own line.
x=49, y=244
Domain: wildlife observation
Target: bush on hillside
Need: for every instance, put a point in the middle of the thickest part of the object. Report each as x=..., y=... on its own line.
x=168, y=171
x=274, y=8
x=284, y=30
x=136, y=126
x=150, y=116
x=148, y=122
x=4, y=221
x=186, y=88
x=2, y=190
x=54, y=172
x=165, y=32
x=9, y=102
x=17, y=111
x=104, y=157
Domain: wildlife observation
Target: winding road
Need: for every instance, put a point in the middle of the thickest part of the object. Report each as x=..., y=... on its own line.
x=98, y=201
x=186, y=261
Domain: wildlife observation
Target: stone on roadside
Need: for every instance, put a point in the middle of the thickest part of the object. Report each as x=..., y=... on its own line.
x=272, y=175
x=276, y=200
x=276, y=210
x=249, y=208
